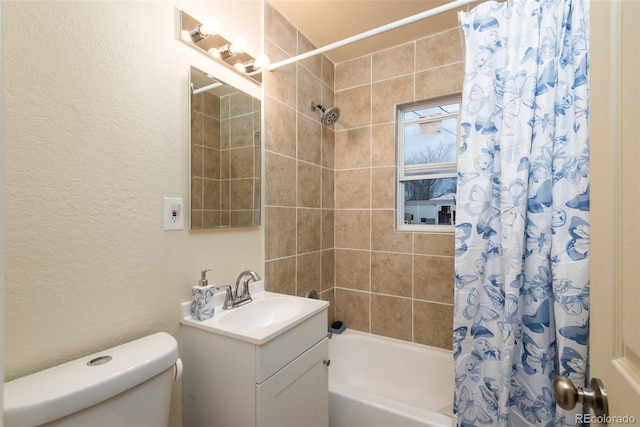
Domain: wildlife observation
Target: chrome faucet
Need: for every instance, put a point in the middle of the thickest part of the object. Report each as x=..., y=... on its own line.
x=233, y=298
x=245, y=292
x=229, y=298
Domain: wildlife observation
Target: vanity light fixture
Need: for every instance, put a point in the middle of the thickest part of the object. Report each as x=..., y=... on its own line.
x=216, y=52
x=252, y=66
x=229, y=50
x=223, y=52
x=261, y=61
x=246, y=67
x=206, y=38
x=200, y=32
x=239, y=45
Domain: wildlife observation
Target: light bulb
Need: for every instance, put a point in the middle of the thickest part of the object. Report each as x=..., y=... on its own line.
x=185, y=35
x=214, y=52
x=261, y=61
x=239, y=45
x=224, y=52
x=240, y=67
x=211, y=26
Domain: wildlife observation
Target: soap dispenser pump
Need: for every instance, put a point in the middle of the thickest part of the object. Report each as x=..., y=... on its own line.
x=203, y=278
x=202, y=302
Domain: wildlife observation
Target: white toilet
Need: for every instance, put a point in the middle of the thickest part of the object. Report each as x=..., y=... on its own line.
x=127, y=385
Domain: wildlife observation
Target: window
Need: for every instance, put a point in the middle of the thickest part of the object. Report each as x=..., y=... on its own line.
x=427, y=139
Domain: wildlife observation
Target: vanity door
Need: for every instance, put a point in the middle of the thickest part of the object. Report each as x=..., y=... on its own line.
x=298, y=394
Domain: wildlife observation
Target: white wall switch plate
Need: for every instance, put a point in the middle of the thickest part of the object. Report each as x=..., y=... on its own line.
x=173, y=213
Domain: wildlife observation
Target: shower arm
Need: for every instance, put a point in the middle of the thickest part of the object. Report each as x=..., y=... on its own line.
x=384, y=28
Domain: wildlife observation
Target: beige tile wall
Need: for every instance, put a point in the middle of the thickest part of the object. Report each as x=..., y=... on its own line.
x=240, y=160
x=206, y=183
x=330, y=193
x=299, y=162
x=225, y=160
x=397, y=284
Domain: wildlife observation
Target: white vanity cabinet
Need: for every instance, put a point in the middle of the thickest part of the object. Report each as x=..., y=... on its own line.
x=297, y=395
x=232, y=382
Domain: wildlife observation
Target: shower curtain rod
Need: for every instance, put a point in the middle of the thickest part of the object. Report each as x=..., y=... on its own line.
x=387, y=27
x=205, y=88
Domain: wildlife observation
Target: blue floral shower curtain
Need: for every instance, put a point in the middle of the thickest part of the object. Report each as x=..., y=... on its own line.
x=522, y=230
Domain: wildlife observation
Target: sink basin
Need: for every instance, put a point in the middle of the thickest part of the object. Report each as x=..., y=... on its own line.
x=262, y=313
x=266, y=317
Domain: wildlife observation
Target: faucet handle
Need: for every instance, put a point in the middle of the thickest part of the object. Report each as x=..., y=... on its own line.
x=228, y=296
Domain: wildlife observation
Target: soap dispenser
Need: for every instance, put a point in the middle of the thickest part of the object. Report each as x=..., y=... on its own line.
x=202, y=301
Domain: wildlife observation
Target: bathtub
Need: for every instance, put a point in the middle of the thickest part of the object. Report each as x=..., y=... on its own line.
x=382, y=382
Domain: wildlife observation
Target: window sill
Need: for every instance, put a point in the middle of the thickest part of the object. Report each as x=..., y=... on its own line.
x=429, y=228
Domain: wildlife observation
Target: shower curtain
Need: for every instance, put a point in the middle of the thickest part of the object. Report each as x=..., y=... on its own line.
x=521, y=312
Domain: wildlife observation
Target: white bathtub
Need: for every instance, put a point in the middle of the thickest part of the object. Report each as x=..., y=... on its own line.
x=382, y=382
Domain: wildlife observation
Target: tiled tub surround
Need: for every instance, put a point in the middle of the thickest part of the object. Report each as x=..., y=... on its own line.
x=225, y=160
x=330, y=193
x=396, y=284
x=299, y=216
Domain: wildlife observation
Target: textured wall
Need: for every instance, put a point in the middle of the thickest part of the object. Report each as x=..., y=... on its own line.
x=397, y=284
x=96, y=134
x=299, y=166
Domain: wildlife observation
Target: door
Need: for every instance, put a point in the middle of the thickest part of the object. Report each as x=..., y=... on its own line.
x=298, y=394
x=615, y=205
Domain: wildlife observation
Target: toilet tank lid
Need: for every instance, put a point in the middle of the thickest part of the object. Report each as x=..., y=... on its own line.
x=73, y=386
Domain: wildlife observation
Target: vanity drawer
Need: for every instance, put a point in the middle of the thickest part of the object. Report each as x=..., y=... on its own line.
x=275, y=354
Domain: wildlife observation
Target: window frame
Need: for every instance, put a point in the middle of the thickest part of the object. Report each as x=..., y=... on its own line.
x=445, y=167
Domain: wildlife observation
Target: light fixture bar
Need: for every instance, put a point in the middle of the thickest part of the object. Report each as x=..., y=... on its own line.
x=384, y=28
x=205, y=38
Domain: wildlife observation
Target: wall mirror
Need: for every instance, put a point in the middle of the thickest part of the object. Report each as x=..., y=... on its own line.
x=225, y=154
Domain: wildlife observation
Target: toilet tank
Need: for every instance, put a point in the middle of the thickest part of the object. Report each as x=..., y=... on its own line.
x=127, y=385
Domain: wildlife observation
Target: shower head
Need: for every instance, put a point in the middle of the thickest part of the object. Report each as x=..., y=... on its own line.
x=329, y=115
